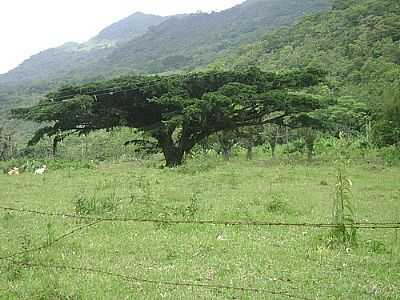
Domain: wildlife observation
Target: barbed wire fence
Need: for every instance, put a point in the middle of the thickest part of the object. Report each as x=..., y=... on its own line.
x=97, y=220
x=358, y=225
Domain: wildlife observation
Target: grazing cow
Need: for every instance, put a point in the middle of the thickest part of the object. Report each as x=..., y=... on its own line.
x=13, y=171
x=41, y=171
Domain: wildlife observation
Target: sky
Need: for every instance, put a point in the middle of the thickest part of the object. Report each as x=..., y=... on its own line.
x=30, y=26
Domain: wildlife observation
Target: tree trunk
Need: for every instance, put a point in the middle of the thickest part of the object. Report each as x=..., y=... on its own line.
x=273, y=147
x=173, y=161
x=310, y=151
x=173, y=156
x=54, y=148
x=309, y=135
x=226, y=153
x=249, y=154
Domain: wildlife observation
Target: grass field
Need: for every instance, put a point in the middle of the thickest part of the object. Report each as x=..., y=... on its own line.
x=285, y=262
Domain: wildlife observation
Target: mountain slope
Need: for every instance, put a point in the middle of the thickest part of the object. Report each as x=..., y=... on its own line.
x=357, y=43
x=130, y=27
x=161, y=44
x=200, y=38
x=65, y=62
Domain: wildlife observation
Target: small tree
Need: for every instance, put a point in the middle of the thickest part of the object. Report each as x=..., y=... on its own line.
x=178, y=110
x=250, y=137
x=226, y=140
x=309, y=135
x=272, y=134
x=6, y=145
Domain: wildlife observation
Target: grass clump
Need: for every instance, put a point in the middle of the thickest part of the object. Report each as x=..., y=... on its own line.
x=96, y=204
x=278, y=204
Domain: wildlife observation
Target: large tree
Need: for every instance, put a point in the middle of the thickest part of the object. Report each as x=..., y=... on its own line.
x=177, y=110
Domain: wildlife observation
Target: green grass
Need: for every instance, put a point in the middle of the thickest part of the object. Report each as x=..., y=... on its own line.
x=292, y=260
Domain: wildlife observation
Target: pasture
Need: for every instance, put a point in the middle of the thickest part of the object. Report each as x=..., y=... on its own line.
x=282, y=262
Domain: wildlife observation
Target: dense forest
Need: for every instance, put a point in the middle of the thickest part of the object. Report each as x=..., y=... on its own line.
x=357, y=44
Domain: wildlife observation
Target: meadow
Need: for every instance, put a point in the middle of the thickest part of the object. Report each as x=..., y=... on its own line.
x=124, y=259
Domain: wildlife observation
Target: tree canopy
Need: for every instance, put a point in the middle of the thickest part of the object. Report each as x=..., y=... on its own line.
x=177, y=110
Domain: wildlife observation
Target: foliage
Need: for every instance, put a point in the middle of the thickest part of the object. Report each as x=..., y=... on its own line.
x=347, y=115
x=197, y=39
x=7, y=147
x=178, y=111
x=357, y=43
x=387, y=127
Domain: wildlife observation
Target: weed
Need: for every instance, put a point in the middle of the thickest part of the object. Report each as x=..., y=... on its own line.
x=193, y=208
x=50, y=234
x=13, y=271
x=278, y=204
x=377, y=247
x=343, y=215
x=93, y=204
x=143, y=192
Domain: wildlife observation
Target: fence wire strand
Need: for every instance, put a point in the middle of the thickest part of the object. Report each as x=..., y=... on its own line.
x=50, y=244
x=166, y=283
x=361, y=225
x=97, y=220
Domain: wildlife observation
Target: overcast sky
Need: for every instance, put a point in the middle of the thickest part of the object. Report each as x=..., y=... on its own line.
x=30, y=26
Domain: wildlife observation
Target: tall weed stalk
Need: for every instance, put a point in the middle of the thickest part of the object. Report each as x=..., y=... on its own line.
x=343, y=213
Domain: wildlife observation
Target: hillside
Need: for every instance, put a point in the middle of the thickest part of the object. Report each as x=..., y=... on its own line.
x=151, y=44
x=129, y=28
x=66, y=62
x=357, y=43
x=200, y=38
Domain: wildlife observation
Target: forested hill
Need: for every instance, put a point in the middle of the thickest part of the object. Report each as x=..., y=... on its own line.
x=151, y=44
x=357, y=43
x=130, y=27
x=200, y=38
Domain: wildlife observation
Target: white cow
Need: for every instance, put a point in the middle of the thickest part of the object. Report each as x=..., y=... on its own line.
x=41, y=171
x=13, y=171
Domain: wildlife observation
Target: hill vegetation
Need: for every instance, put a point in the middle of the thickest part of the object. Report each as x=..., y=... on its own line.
x=152, y=44
x=198, y=39
x=357, y=44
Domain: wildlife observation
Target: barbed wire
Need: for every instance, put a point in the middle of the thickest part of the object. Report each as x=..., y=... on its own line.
x=155, y=282
x=51, y=243
x=131, y=278
x=97, y=220
x=360, y=225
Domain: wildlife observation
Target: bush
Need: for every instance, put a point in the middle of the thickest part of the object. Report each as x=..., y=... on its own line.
x=390, y=155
